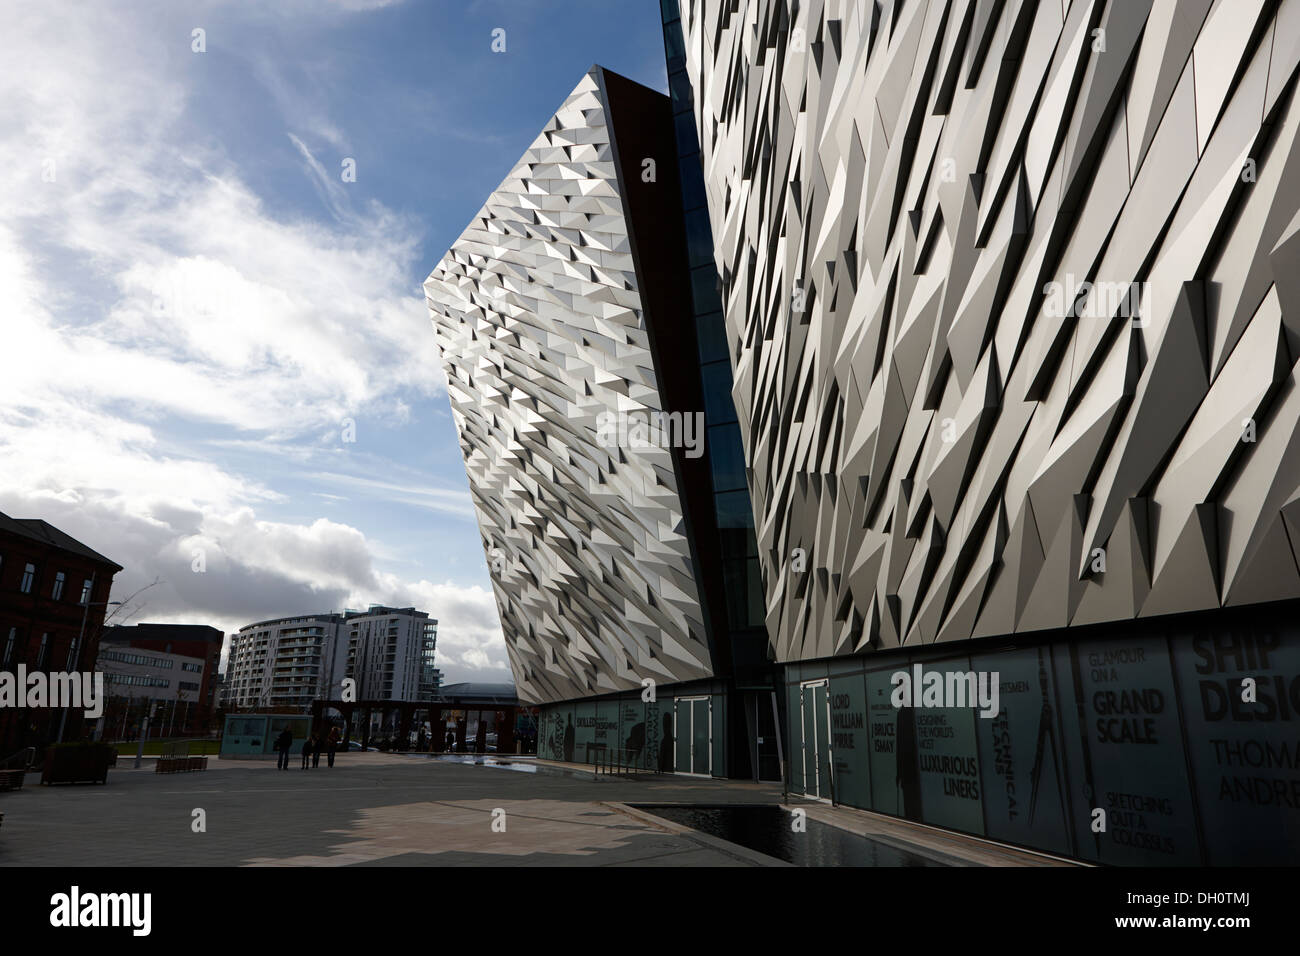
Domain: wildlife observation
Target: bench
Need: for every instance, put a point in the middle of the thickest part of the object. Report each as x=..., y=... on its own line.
x=170, y=762
x=12, y=779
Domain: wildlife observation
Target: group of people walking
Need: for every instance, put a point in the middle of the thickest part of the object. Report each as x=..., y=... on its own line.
x=311, y=748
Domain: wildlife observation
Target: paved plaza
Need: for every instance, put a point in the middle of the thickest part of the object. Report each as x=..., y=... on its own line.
x=376, y=809
x=370, y=809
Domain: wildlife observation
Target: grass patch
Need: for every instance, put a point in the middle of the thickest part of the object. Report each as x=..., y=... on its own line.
x=197, y=747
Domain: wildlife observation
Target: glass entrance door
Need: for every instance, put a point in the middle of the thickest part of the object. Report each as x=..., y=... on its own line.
x=814, y=702
x=764, y=740
x=693, y=723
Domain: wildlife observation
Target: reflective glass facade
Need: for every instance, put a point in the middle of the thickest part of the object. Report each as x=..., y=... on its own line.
x=734, y=516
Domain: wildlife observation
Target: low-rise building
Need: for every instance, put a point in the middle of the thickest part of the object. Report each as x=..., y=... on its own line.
x=137, y=681
x=194, y=641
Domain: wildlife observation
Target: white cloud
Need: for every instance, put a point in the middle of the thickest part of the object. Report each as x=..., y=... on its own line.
x=216, y=309
x=147, y=290
x=445, y=500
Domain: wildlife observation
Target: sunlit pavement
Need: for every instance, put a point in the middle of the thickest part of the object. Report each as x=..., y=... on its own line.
x=370, y=809
x=412, y=810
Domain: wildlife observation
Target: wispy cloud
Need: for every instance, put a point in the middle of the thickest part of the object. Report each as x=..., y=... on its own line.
x=154, y=306
x=447, y=500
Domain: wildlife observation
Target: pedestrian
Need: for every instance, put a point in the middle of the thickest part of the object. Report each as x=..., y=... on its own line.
x=317, y=745
x=306, y=751
x=283, y=744
x=333, y=744
x=451, y=742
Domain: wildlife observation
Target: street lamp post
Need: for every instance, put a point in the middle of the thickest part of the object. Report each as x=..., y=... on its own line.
x=75, y=656
x=85, y=614
x=139, y=752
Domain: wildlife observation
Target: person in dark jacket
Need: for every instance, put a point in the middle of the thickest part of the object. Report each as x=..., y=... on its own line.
x=283, y=744
x=307, y=746
x=451, y=742
x=332, y=744
x=317, y=745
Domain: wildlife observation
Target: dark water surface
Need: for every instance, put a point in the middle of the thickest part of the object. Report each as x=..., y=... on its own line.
x=767, y=829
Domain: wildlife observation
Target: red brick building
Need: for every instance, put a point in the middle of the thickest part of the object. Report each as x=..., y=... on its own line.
x=52, y=588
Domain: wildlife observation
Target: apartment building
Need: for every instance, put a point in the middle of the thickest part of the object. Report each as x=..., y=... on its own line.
x=285, y=664
x=282, y=665
x=390, y=653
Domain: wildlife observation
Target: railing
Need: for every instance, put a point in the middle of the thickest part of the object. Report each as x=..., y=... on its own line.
x=621, y=763
x=15, y=767
x=22, y=760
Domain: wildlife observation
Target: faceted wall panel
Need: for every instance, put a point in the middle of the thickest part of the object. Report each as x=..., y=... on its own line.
x=538, y=313
x=1013, y=296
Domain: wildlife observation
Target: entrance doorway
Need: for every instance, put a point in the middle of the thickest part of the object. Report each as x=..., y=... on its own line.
x=815, y=710
x=693, y=722
x=764, y=737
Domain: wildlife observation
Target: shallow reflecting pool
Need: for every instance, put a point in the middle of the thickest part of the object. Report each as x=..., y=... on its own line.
x=767, y=829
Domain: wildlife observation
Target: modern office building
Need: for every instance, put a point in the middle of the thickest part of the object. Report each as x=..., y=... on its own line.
x=188, y=640
x=1012, y=304
x=53, y=595
x=589, y=381
x=285, y=664
x=169, y=686
x=1007, y=308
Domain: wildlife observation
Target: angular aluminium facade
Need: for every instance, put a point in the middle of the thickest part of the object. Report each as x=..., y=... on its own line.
x=567, y=320
x=539, y=313
x=1012, y=293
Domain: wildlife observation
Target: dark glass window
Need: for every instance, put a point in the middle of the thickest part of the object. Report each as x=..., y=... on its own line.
x=755, y=578
x=712, y=334
x=687, y=141
x=727, y=458
x=29, y=575
x=735, y=525
x=733, y=510
x=693, y=195
x=674, y=46
x=679, y=88
x=718, y=407
x=670, y=10
x=704, y=289
x=744, y=593
x=699, y=239
x=734, y=541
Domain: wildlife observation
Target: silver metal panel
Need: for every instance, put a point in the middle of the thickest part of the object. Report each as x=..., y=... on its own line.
x=538, y=316
x=907, y=200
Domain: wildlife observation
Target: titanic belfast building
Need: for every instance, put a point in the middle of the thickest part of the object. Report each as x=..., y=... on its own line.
x=938, y=343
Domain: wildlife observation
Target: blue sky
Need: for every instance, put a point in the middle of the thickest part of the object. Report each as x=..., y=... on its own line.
x=196, y=306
